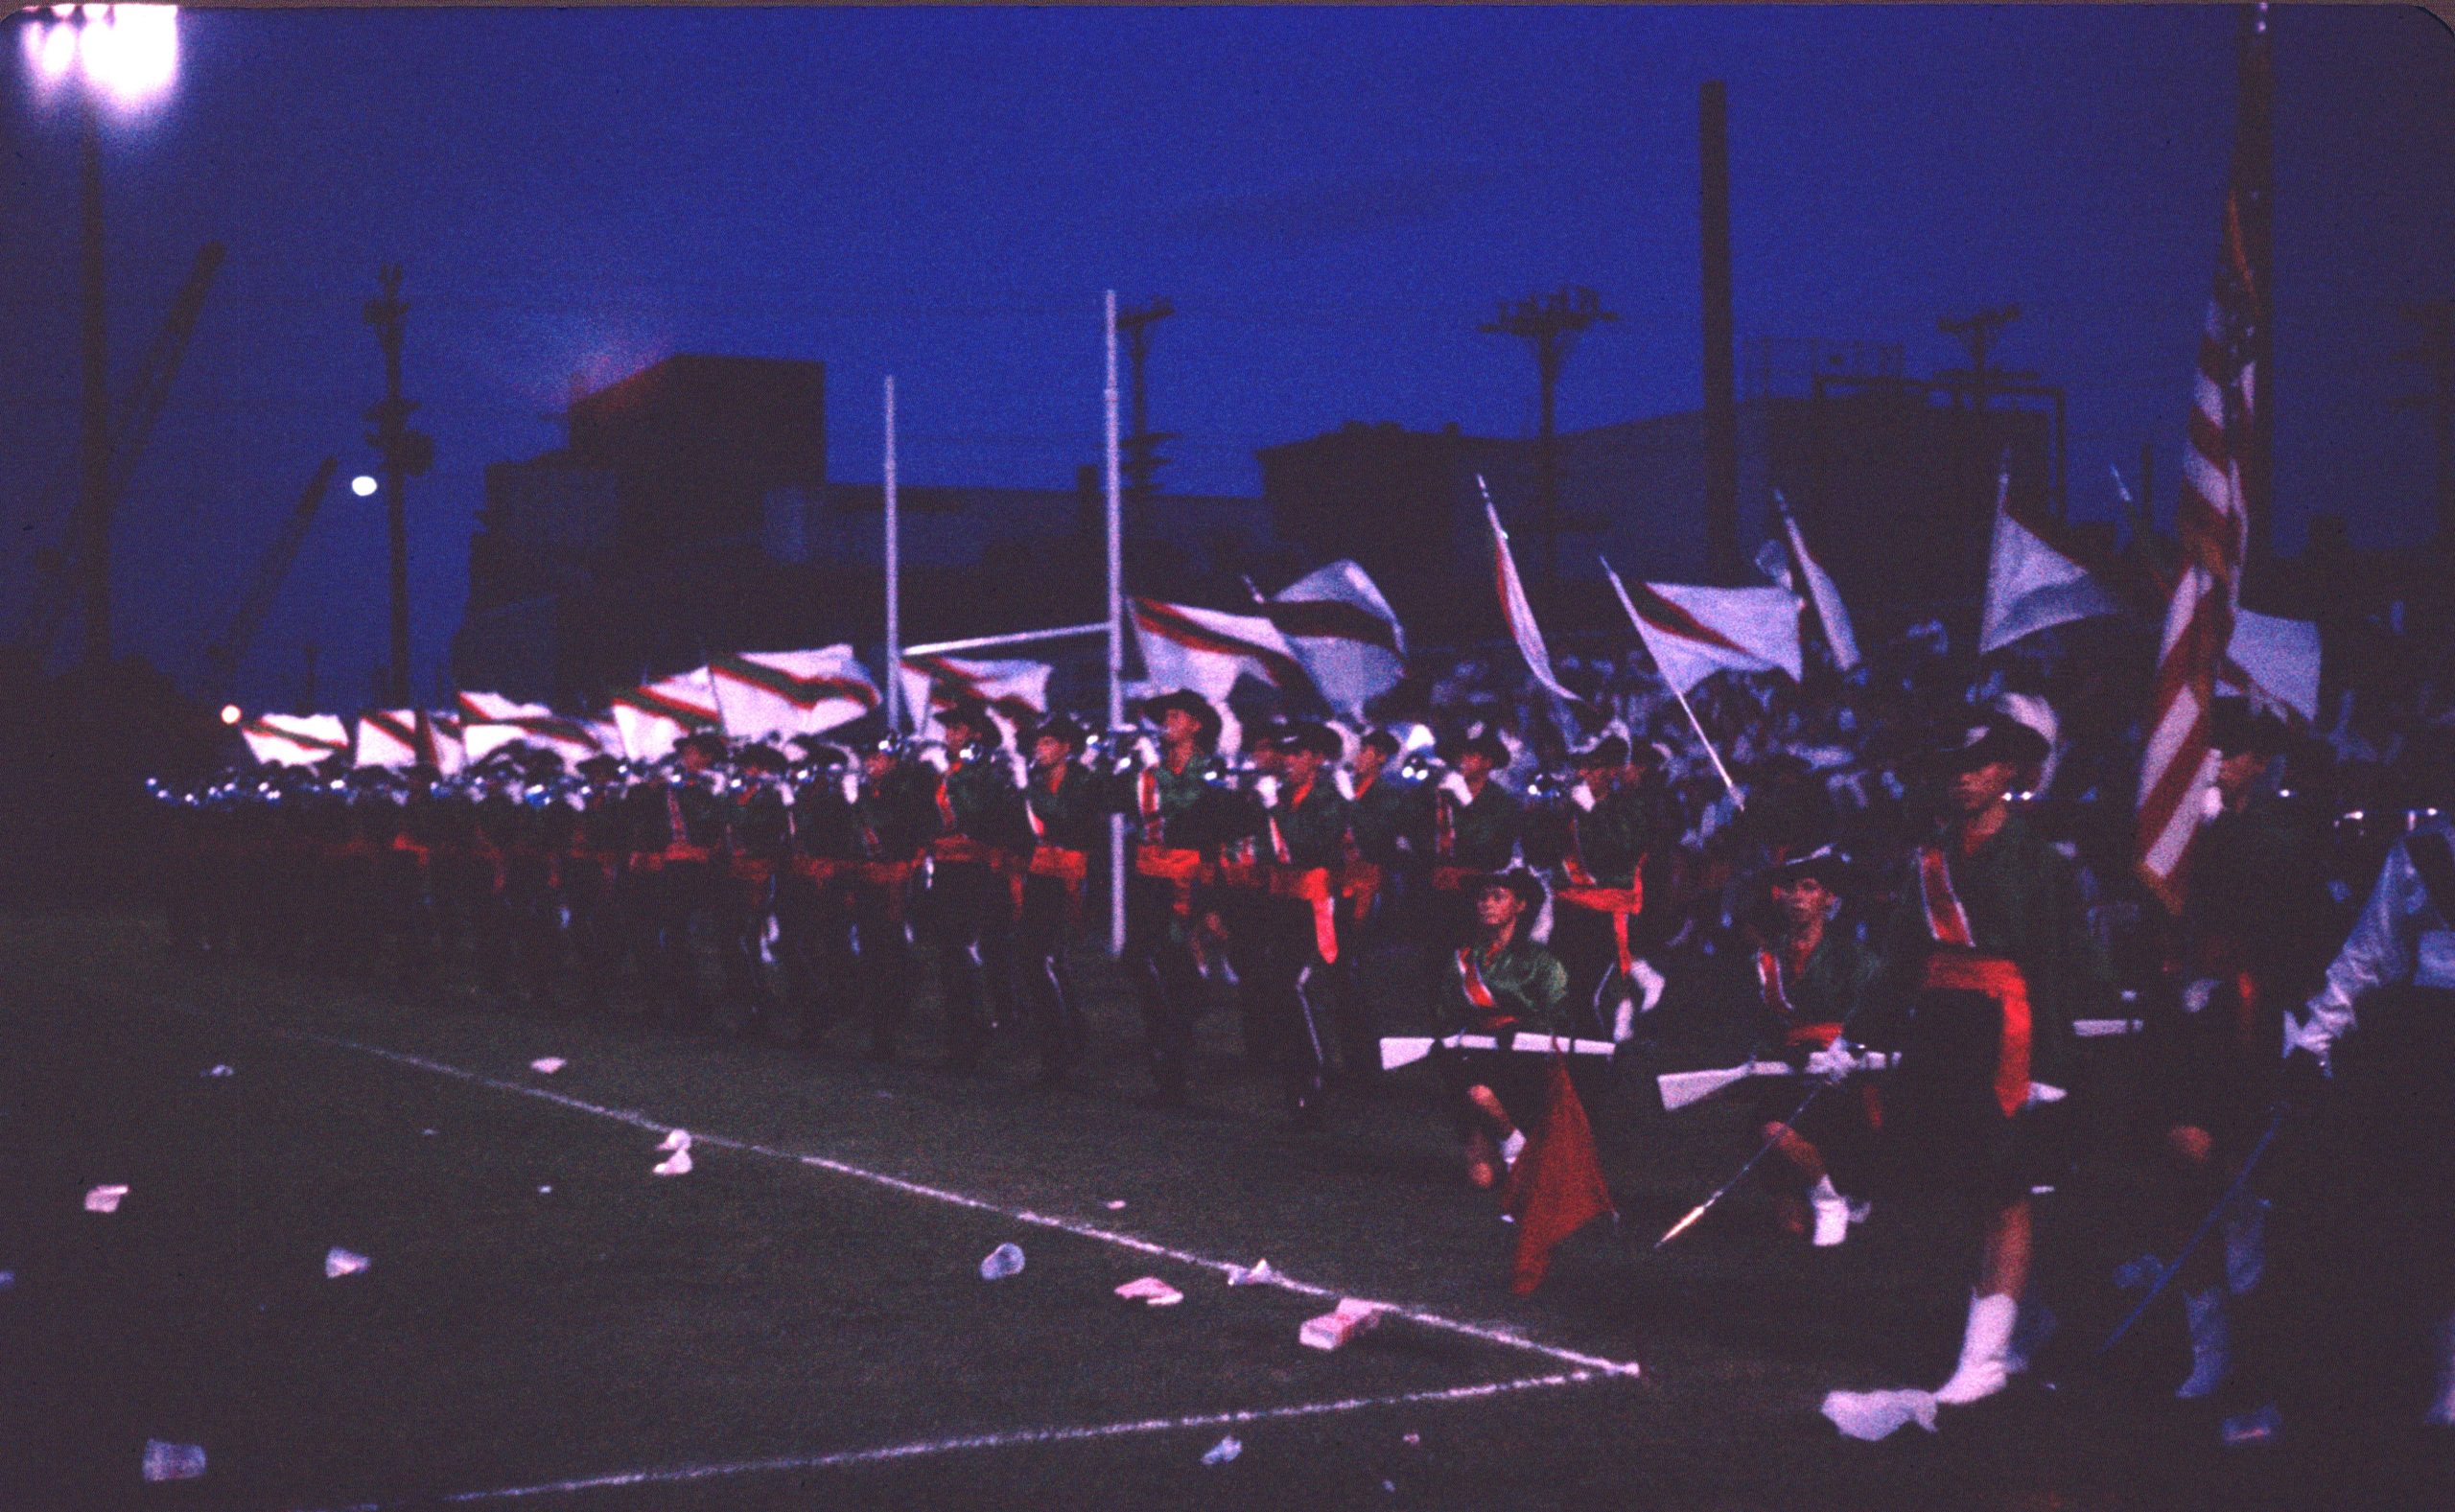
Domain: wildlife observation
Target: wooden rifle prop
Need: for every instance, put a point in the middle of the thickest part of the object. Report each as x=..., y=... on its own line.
x=1682, y=1088
x=1404, y=1050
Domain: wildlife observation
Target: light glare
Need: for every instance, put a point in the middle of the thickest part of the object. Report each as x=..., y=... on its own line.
x=126, y=52
x=229, y=714
x=362, y=486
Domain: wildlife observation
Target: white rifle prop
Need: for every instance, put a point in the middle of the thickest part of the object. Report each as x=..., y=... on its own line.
x=1680, y=1088
x=1405, y=1050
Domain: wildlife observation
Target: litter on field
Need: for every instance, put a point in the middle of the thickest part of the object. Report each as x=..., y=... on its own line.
x=105, y=1198
x=339, y=1263
x=548, y=1065
x=173, y=1461
x=1117, y=1204
x=676, y=1164
x=1260, y=1275
x=1225, y=1449
x=1341, y=1326
x=1006, y=1260
x=1876, y=1415
x=679, y=1139
x=219, y=1071
x=1151, y=1290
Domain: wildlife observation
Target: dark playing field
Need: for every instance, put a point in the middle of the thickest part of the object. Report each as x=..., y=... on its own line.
x=800, y=1322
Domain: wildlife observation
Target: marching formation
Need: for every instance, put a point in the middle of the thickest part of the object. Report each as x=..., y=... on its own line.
x=1919, y=1019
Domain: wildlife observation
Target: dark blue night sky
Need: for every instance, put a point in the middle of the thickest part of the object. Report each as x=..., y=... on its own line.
x=1332, y=199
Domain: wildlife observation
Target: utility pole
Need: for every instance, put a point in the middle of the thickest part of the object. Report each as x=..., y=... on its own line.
x=1721, y=398
x=2436, y=354
x=1141, y=460
x=406, y=454
x=1550, y=324
x=95, y=429
x=1978, y=334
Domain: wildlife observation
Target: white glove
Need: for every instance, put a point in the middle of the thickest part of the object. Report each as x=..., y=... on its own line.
x=1146, y=751
x=1623, y=1023
x=1582, y=796
x=852, y=787
x=1265, y=788
x=1345, y=782
x=1833, y=1062
x=2043, y=1092
x=2309, y=1033
x=2195, y=996
x=1649, y=983
x=1455, y=785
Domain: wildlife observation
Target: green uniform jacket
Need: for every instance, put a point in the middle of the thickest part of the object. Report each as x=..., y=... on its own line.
x=1315, y=829
x=1841, y=974
x=987, y=805
x=895, y=817
x=824, y=824
x=2024, y=904
x=2258, y=886
x=1072, y=817
x=762, y=827
x=1524, y=979
x=1613, y=835
x=1380, y=815
x=1193, y=811
x=1487, y=828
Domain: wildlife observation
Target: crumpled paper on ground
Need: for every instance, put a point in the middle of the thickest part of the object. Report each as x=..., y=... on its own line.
x=677, y=1164
x=1225, y=1449
x=105, y=1198
x=339, y=1263
x=1878, y=1415
x=679, y=1139
x=1151, y=1290
x=1261, y=1274
x=173, y=1461
x=548, y=1065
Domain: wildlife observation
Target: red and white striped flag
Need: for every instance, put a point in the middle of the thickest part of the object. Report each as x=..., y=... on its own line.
x=1344, y=632
x=1839, y=636
x=1513, y=606
x=296, y=739
x=1016, y=689
x=571, y=740
x=2223, y=473
x=1205, y=650
x=761, y=695
x=1691, y=633
x=655, y=716
x=406, y=737
x=2035, y=577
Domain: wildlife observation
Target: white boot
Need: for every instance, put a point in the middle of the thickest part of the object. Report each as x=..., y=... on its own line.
x=1984, y=1368
x=2211, y=1343
x=2441, y=1411
x=1833, y=1215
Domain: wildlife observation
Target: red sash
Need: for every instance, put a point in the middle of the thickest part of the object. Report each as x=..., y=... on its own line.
x=1311, y=885
x=1444, y=827
x=1453, y=878
x=1147, y=800
x=820, y=869
x=1358, y=882
x=1180, y=868
x=893, y=876
x=1622, y=903
x=1950, y=970
x=1471, y=980
x=1946, y=919
x=1769, y=977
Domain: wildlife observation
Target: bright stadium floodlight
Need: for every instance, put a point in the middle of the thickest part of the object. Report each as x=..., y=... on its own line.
x=229, y=714
x=364, y=486
x=126, y=54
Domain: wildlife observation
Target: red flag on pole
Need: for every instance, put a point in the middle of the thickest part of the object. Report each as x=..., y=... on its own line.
x=1555, y=1185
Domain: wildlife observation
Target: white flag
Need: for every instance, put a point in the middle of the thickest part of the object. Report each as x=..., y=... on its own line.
x=1205, y=650
x=296, y=739
x=655, y=716
x=2273, y=661
x=1691, y=633
x=1016, y=689
x=2032, y=583
x=1514, y=607
x=1344, y=632
x=762, y=695
x=1821, y=593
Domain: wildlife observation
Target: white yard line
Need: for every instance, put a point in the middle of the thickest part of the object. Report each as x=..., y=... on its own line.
x=1484, y=1333
x=1011, y=1439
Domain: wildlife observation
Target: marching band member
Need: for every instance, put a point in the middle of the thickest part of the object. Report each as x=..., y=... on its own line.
x=1601, y=890
x=1990, y=946
x=1305, y=822
x=973, y=862
x=676, y=826
x=1172, y=813
x=1067, y=824
x=895, y=816
x=1499, y=982
x=1370, y=871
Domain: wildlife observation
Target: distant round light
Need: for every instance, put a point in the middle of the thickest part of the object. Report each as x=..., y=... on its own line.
x=362, y=485
x=229, y=714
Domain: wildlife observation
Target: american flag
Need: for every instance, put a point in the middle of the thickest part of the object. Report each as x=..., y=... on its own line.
x=2223, y=473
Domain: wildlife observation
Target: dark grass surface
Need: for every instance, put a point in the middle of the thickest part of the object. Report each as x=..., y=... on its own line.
x=757, y=1309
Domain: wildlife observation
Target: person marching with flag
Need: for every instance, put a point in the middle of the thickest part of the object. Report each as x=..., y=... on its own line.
x=1068, y=825
x=975, y=861
x=1498, y=980
x=1173, y=812
x=1474, y=820
x=1805, y=982
x=1304, y=825
x=1612, y=828
x=1990, y=950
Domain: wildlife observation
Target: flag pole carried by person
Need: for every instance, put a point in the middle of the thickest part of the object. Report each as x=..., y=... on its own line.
x=1711, y=754
x=1513, y=606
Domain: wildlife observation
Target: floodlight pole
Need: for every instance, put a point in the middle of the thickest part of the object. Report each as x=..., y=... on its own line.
x=1116, y=631
x=95, y=429
x=894, y=575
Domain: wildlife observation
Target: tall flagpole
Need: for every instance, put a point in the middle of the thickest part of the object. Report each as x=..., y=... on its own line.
x=894, y=576
x=1116, y=631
